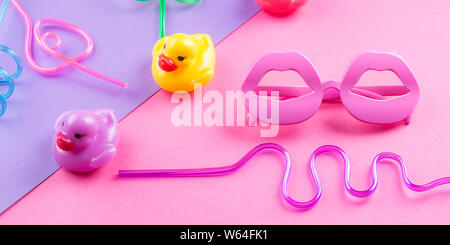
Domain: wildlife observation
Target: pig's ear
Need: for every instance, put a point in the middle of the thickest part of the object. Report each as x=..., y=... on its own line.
x=107, y=116
x=60, y=120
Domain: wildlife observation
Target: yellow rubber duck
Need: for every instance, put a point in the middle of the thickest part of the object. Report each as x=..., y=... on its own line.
x=180, y=61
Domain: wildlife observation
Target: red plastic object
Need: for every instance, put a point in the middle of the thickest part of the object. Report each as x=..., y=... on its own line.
x=280, y=7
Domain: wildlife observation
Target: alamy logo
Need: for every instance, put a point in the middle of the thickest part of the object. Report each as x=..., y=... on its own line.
x=234, y=109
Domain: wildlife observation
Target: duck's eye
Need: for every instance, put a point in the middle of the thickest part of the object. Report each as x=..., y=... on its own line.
x=164, y=47
x=180, y=58
x=78, y=136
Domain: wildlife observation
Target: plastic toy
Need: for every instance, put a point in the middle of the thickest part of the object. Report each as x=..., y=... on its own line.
x=280, y=7
x=366, y=103
x=85, y=140
x=218, y=171
x=5, y=77
x=180, y=61
x=52, y=49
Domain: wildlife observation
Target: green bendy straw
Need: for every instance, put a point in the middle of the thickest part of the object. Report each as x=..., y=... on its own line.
x=162, y=14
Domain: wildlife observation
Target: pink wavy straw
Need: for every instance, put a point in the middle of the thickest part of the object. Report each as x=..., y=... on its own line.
x=52, y=50
x=217, y=171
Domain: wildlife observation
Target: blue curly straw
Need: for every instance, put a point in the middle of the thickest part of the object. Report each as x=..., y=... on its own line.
x=8, y=79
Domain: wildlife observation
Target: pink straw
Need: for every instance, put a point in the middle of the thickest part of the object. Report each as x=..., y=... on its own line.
x=67, y=62
x=218, y=171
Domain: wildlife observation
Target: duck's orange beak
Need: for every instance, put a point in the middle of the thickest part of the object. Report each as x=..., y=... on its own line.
x=64, y=143
x=166, y=63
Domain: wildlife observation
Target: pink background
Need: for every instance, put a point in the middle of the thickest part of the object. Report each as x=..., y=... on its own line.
x=330, y=33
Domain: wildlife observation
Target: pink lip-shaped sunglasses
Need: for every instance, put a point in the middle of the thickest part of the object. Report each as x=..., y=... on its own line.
x=366, y=103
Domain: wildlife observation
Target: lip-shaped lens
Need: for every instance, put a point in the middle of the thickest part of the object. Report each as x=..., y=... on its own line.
x=294, y=109
x=365, y=106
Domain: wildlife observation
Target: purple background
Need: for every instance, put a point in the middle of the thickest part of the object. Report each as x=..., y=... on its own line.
x=124, y=32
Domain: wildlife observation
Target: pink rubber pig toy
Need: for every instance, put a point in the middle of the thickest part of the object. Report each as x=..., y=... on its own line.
x=85, y=140
x=280, y=7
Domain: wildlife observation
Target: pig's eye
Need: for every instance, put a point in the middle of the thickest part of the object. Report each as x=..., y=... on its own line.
x=78, y=136
x=62, y=124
